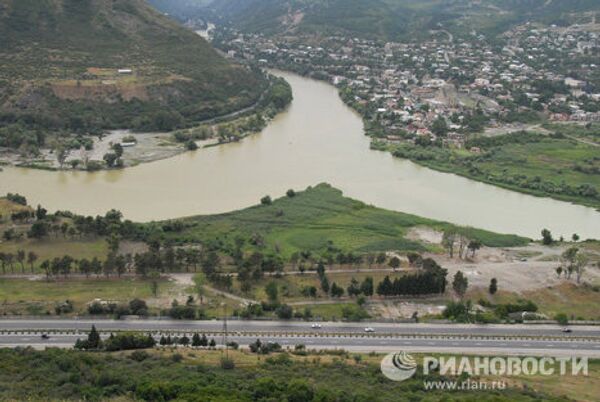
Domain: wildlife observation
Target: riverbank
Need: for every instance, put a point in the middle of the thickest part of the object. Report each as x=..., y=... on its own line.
x=117, y=149
x=567, y=170
x=553, y=165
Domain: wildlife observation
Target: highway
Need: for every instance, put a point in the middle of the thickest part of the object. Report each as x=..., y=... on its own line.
x=363, y=344
x=473, y=339
x=297, y=327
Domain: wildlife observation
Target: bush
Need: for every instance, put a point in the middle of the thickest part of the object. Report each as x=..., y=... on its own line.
x=129, y=341
x=284, y=312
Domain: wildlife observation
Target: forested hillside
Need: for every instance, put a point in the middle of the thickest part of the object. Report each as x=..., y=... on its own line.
x=385, y=19
x=83, y=66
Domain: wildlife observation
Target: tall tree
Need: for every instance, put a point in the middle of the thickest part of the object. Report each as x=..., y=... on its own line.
x=460, y=284
x=31, y=259
x=493, y=286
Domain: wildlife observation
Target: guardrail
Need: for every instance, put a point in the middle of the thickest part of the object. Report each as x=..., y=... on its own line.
x=316, y=334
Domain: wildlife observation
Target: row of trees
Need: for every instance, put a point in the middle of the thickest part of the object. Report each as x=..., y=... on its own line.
x=456, y=243
x=21, y=257
x=431, y=281
x=573, y=261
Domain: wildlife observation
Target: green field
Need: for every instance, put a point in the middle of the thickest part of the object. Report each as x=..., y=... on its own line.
x=18, y=296
x=548, y=166
x=319, y=219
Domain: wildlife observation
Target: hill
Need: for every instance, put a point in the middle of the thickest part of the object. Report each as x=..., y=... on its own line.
x=382, y=19
x=88, y=65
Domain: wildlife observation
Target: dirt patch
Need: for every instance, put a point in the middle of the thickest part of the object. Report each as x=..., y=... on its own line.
x=403, y=309
x=425, y=234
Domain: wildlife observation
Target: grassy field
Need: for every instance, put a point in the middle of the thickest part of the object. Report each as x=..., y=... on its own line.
x=8, y=207
x=557, y=167
x=575, y=301
x=320, y=219
x=50, y=248
x=290, y=286
x=19, y=296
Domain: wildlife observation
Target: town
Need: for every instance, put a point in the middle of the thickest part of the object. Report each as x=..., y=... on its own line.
x=446, y=88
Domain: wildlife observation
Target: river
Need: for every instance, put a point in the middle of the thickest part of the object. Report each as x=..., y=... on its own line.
x=318, y=139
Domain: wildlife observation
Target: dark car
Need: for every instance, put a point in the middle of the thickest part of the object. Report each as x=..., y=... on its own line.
x=45, y=336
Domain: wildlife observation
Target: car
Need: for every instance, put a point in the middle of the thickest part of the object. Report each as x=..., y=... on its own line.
x=369, y=329
x=567, y=330
x=45, y=336
x=316, y=326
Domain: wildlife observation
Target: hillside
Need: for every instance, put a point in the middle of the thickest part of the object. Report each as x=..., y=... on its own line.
x=60, y=62
x=384, y=19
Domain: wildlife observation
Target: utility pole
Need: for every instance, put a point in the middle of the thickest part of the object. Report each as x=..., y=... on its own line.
x=225, y=331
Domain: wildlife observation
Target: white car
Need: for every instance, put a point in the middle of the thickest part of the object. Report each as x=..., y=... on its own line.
x=369, y=329
x=316, y=326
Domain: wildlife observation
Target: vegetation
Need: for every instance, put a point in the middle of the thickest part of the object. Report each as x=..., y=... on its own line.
x=60, y=73
x=550, y=166
x=378, y=19
x=158, y=376
x=317, y=221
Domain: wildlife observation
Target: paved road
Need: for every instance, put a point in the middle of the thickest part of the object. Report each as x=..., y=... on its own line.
x=298, y=327
x=366, y=344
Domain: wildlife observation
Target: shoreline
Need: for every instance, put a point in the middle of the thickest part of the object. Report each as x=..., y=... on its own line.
x=147, y=147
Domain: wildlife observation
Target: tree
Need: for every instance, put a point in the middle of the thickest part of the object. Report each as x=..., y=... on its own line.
x=547, y=238
x=272, y=291
x=325, y=284
x=460, y=284
x=336, y=291
x=366, y=287
x=284, y=312
x=354, y=288
x=559, y=271
x=440, y=127
x=196, y=340
x=394, y=262
x=93, y=340
x=581, y=261
x=203, y=341
x=199, y=281
x=110, y=158
x=61, y=154
x=474, y=245
x=266, y=200
x=569, y=258
x=154, y=278
x=575, y=237
x=291, y=193
x=561, y=319
x=138, y=307
x=38, y=230
x=493, y=286
x=184, y=340
x=31, y=259
x=21, y=259
x=448, y=240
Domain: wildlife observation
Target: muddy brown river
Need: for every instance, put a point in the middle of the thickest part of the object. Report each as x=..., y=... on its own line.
x=318, y=139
